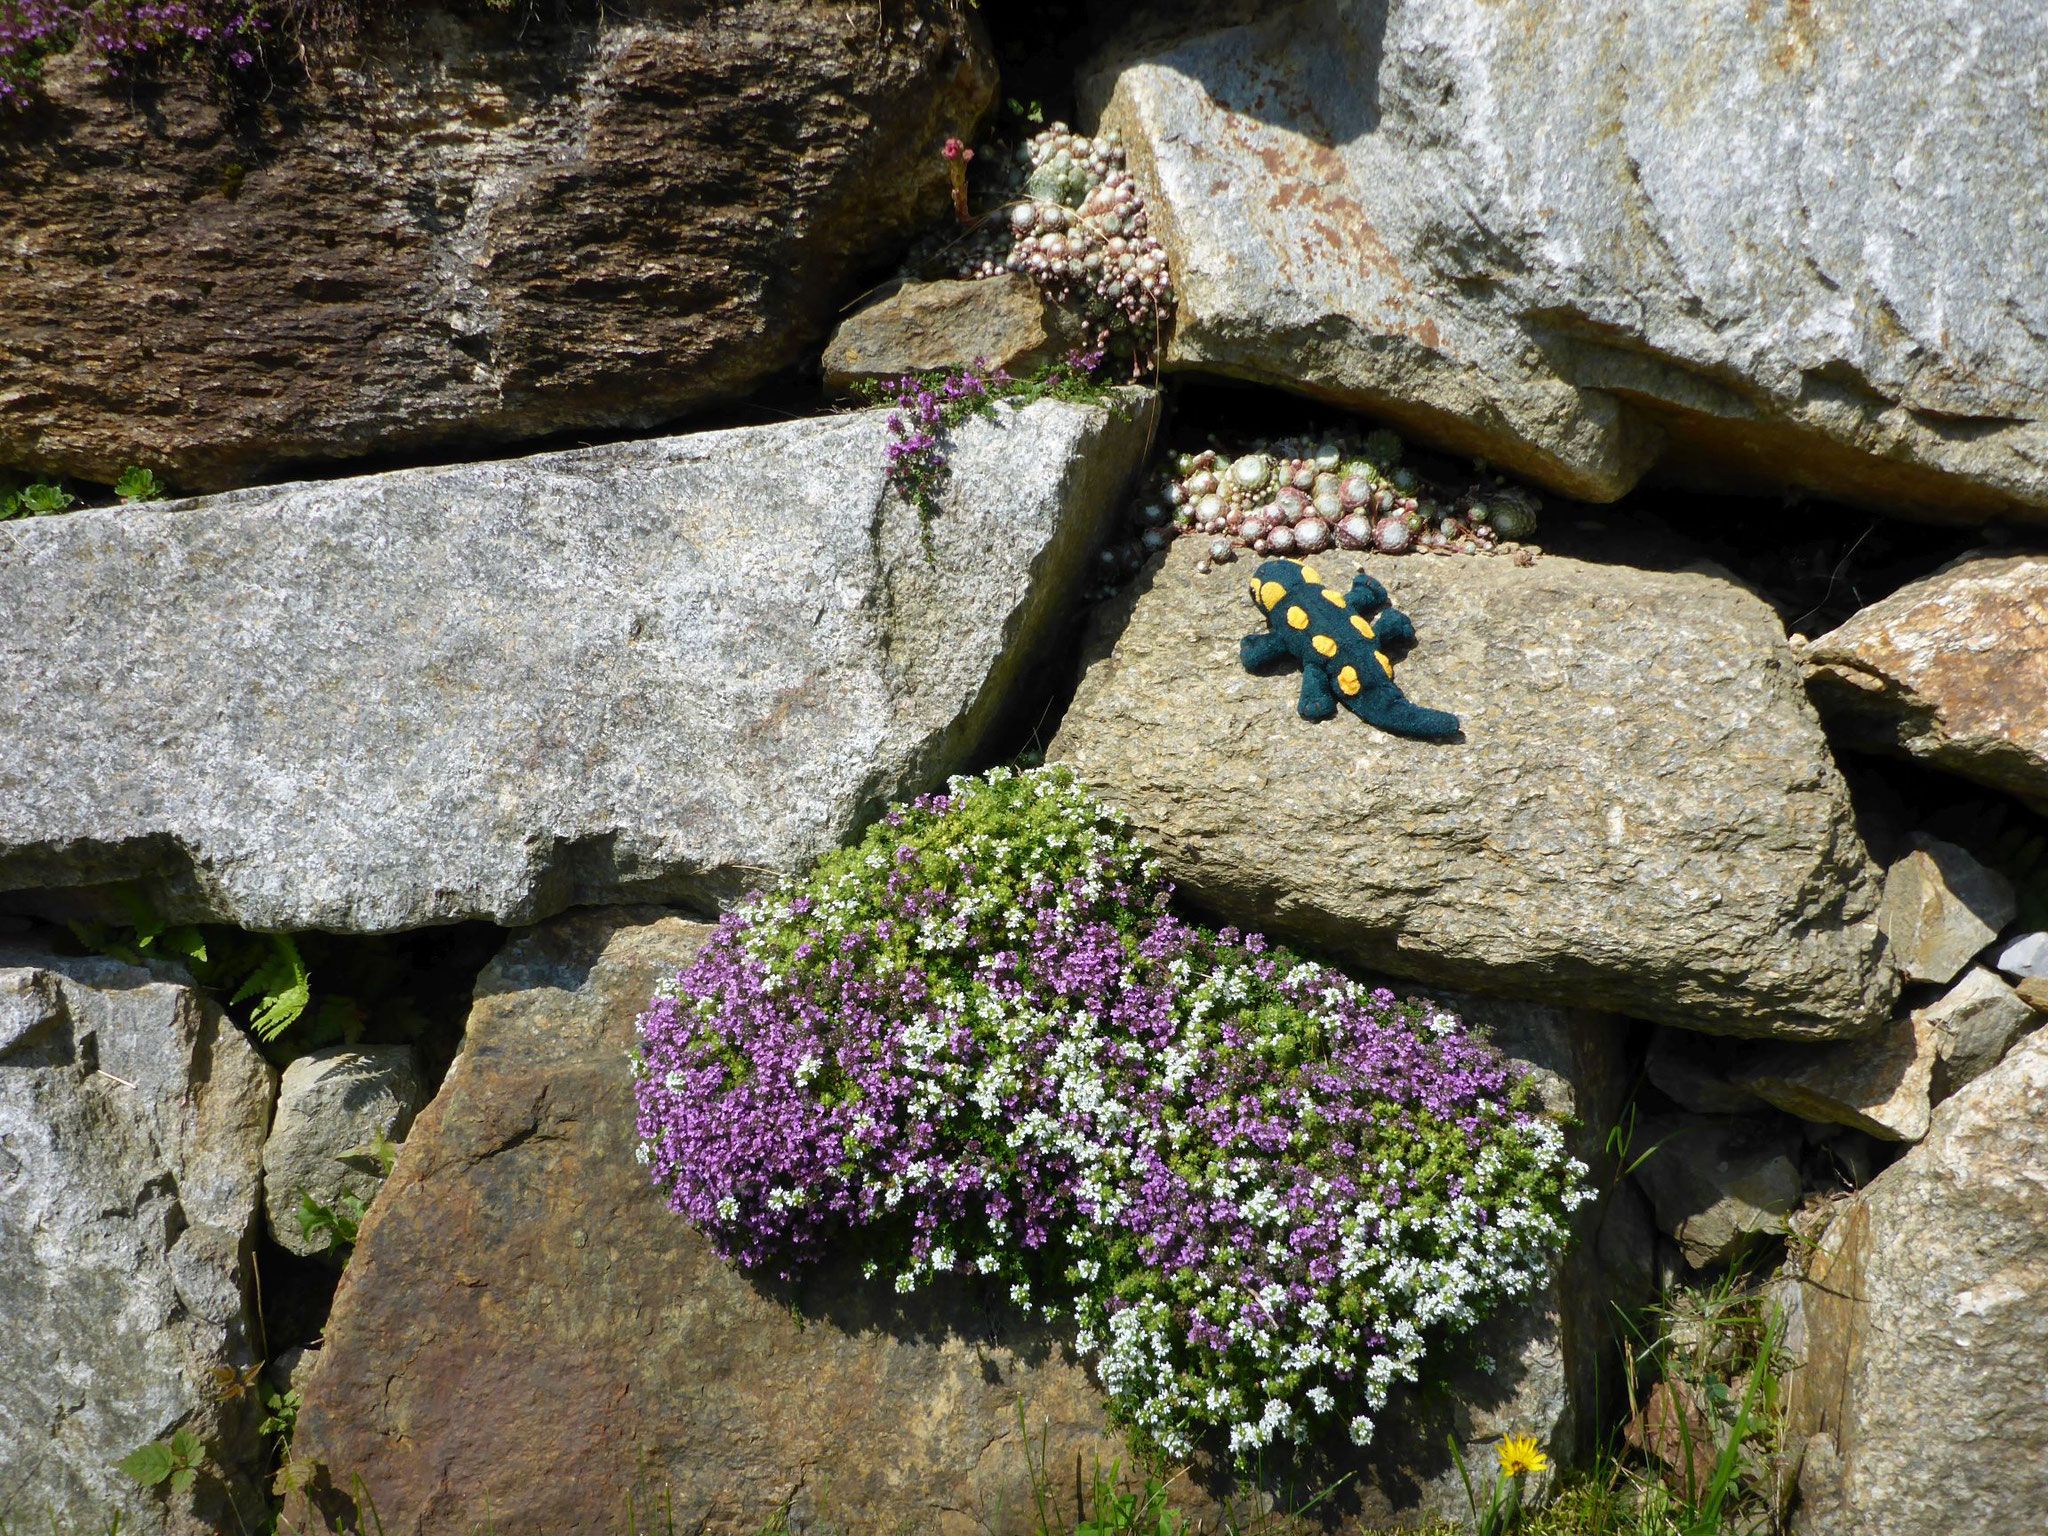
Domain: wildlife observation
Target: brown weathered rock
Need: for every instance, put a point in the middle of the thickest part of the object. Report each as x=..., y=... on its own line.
x=1641, y=814
x=524, y=1328
x=467, y=227
x=1952, y=670
x=1881, y=1085
x=1940, y=907
x=1925, y=1316
x=1002, y=321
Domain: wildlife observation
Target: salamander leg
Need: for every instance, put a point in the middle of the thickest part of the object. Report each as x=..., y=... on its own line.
x=1261, y=650
x=1318, y=698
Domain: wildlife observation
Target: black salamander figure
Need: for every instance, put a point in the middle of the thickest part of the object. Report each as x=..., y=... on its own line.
x=1340, y=639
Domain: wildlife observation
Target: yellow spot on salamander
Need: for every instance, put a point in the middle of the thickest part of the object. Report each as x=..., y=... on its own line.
x=1348, y=681
x=1255, y=589
x=1296, y=619
x=1324, y=645
x=1386, y=666
x=1311, y=575
x=1363, y=626
x=1270, y=595
x=1334, y=596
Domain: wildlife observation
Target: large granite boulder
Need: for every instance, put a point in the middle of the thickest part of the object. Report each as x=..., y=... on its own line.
x=469, y=224
x=1952, y=670
x=1641, y=813
x=1925, y=1319
x=132, y=1115
x=658, y=668
x=1586, y=240
x=525, y=1329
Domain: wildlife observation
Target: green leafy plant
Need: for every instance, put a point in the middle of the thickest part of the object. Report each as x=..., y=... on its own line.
x=138, y=484
x=176, y=1462
x=282, y=1419
x=37, y=499
x=337, y=1223
x=280, y=986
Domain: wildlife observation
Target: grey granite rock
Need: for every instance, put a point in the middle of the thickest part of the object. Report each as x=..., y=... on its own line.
x=671, y=667
x=332, y=1105
x=1641, y=814
x=132, y=1115
x=1952, y=670
x=1926, y=1317
x=1717, y=1184
x=1940, y=908
x=1789, y=244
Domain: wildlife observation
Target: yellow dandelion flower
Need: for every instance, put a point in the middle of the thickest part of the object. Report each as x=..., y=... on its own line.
x=1518, y=1454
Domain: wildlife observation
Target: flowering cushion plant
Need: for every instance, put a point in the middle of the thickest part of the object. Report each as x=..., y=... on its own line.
x=979, y=1042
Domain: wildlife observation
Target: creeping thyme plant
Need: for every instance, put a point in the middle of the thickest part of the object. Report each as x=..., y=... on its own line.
x=980, y=1043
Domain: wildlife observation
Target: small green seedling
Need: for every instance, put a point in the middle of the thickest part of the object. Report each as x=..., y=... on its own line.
x=177, y=1461
x=138, y=484
x=38, y=500
x=338, y=1222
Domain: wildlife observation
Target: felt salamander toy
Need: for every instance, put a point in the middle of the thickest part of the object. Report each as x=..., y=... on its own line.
x=1340, y=639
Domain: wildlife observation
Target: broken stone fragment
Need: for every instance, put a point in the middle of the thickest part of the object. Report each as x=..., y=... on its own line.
x=333, y=1105
x=1717, y=1185
x=1003, y=322
x=1940, y=908
x=1881, y=1085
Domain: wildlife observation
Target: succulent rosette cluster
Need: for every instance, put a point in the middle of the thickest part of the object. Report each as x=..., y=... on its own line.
x=1069, y=216
x=981, y=1043
x=1301, y=496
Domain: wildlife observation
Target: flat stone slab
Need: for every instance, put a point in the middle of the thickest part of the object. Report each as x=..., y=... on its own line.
x=654, y=669
x=1952, y=670
x=1583, y=239
x=1002, y=322
x=526, y=1329
x=1641, y=815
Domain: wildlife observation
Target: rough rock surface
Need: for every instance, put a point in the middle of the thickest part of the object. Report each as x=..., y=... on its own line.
x=1583, y=239
x=132, y=1116
x=1926, y=1322
x=1716, y=1184
x=331, y=1106
x=1952, y=670
x=1975, y=1023
x=1940, y=908
x=660, y=668
x=1005, y=322
x=1641, y=814
x=466, y=227
x=518, y=1283
x=1882, y=1085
